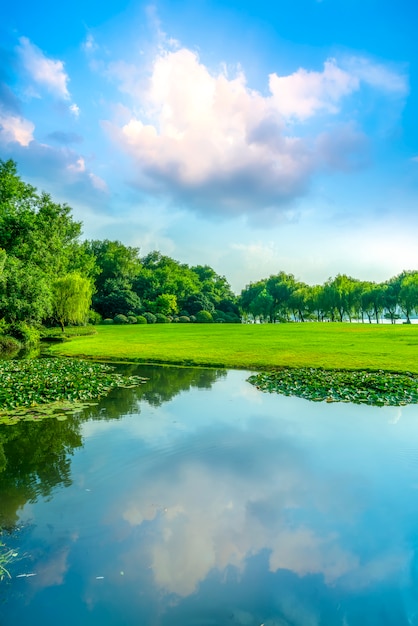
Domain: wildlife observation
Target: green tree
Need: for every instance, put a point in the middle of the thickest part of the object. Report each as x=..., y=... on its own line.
x=166, y=304
x=35, y=229
x=408, y=294
x=25, y=293
x=71, y=299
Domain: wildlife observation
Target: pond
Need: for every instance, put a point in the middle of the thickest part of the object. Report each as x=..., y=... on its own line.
x=196, y=500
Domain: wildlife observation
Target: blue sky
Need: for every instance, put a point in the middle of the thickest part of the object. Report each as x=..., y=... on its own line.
x=253, y=137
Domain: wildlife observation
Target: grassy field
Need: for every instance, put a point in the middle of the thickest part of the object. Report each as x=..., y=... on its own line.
x=255, y=347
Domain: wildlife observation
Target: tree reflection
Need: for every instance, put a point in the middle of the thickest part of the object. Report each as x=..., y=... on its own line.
x=35, y=457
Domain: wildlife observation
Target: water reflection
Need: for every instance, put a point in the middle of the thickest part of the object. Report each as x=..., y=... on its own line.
x=222, y=505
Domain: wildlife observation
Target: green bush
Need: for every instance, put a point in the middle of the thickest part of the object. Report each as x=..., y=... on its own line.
x=120, y=319
x=150, y=317
x=204, y=317
x=28, y=335
x=232, y=319
x=140, y=319
x=9, y=345
x=161, y=319
x=184, y=319
x=132, y=319
x=192, y=318
x=107, y=320
x=94, y=317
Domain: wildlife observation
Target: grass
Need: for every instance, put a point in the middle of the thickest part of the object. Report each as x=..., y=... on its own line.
x=392, y=348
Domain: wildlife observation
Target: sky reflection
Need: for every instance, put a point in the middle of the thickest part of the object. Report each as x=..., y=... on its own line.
x=226, y=505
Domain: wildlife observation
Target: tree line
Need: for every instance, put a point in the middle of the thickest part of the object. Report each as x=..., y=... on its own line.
x=282, y=298
x=49, y=276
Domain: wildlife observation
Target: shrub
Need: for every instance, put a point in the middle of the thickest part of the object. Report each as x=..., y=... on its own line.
x=232, y=319
x=108, y=320
x=9, y=344
x=184, y=319
x=192, y=318
x=94, y=317
x=120, y=319
x=150, y=317
x=140, y=319
x=161, y=319
x=132, y=319
x=219, y=316
x=204, y=317
x=28, y=335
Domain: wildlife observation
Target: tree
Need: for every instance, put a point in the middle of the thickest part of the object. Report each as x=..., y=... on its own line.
x=115, y=261
x=408, y=294
x=71, y=299
x=391, y=298
x=35, y=229
x=280, y=287
x=166, y=304
x=25, y=294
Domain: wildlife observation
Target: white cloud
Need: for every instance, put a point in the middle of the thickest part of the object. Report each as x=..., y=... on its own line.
x=202, y=133
x=16, y=129
x=74, y=109
x=98, y=183
x=89, y=45
x=45, y=72
x=303, y=94
x=378, y=75
x=77, y=166
x=210, y=141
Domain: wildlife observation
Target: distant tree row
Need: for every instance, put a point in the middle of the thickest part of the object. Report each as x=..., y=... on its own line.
x=283, y=298
x=49, y=276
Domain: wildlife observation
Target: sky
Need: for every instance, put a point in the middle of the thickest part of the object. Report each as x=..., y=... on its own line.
x=254, y=137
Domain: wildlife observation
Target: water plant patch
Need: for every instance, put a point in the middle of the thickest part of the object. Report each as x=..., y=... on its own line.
x=53, y=387
x=360, y=387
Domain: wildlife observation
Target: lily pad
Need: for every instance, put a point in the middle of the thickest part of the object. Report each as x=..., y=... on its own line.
x=378, y=388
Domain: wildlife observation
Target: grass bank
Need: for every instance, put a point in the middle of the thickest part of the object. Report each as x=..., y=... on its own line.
x=254, y=347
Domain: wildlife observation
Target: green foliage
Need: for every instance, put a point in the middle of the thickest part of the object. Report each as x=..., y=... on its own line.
x=150, y=317
x=204, y=317
x=9, y=345
x=29, y=383
x=25, y=293
x=107, y=321
x=361, y=387
x=166, y=304
x=161, y=319
x=141, y=319
x=198, y=302
x=71, y=299
x=132, y=319
x=116, y=299
x=33, y=228
x=120, y=319
x=183, y=319
x=93, y=317
x=28, y=335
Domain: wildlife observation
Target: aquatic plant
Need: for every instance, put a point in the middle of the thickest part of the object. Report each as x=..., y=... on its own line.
x=53, y=387
x=6, y=557
x=360, y=387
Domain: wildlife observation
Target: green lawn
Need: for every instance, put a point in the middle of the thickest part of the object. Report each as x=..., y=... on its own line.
x=255, y=347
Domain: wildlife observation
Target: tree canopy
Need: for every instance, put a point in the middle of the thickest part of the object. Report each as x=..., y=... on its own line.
x=48, y=274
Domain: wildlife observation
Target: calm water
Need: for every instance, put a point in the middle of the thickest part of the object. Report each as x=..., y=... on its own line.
x=197, y=500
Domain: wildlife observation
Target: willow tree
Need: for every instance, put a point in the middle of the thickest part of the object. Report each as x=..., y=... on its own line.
x=71, y=299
